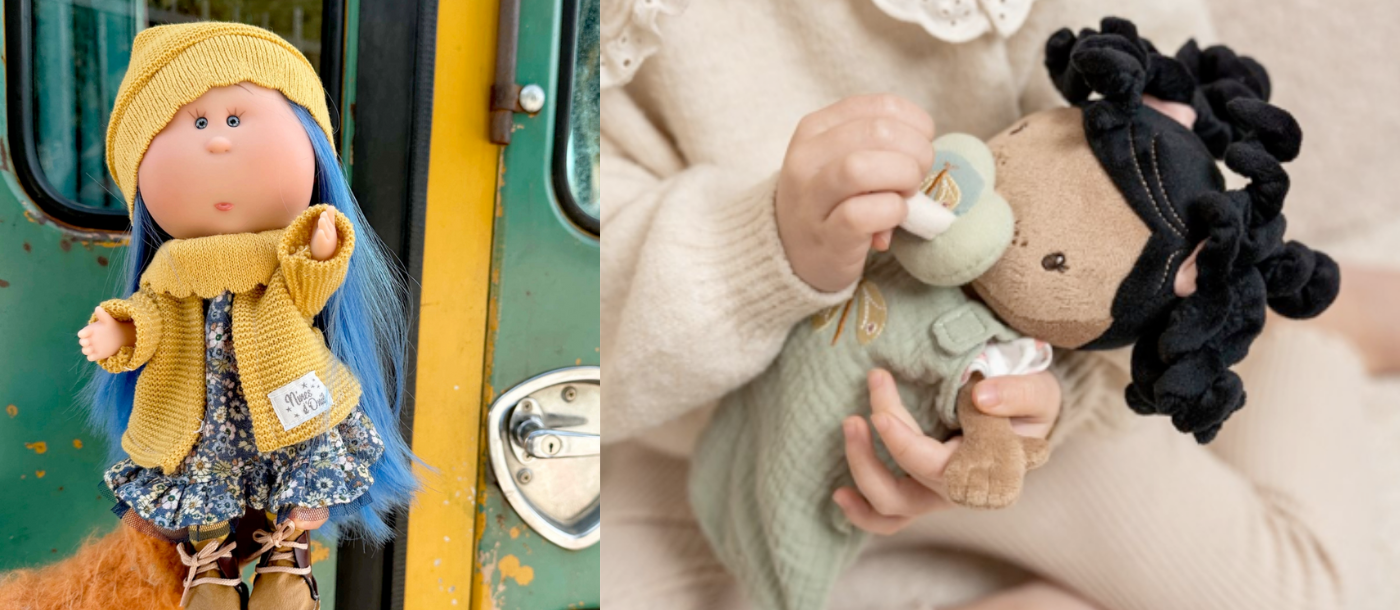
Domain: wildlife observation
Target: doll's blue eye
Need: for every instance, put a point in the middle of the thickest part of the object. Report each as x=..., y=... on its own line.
x=233, y=121
x=201, y=123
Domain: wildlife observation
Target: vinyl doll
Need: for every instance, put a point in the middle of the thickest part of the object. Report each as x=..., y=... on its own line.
x=254, y=370
x=1091, y=227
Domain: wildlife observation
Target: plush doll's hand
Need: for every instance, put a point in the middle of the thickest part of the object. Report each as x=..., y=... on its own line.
x=884, y=504
x=841, y=191
x=106, y=336
x=324, y=238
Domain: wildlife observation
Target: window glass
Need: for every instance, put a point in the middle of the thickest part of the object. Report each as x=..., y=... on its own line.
x=80, y=53
x=583, y=122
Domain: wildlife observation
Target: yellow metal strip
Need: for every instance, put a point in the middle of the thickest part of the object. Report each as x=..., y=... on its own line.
x=462, y=176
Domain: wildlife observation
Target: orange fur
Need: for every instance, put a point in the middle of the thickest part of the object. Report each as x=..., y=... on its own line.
x=124, y=570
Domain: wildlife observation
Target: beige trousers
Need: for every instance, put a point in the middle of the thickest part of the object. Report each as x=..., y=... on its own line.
x=1277, y=513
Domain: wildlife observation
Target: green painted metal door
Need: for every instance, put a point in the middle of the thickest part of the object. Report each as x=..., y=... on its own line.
x=545, y=282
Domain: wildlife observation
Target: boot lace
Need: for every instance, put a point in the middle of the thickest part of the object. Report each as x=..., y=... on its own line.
x=280, y=541
x=203, y=561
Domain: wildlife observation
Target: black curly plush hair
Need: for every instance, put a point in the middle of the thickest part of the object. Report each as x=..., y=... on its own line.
x=1185, y=346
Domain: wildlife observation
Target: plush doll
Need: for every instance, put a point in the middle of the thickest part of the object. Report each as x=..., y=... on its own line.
x=1091, y=227
x=253, y=370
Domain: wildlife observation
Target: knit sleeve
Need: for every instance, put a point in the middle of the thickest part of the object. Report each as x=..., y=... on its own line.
x=141, y=310
x=697, y=293
x=312, y=282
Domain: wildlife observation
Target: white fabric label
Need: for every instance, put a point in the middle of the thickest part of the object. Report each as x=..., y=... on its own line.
x=1019, y=357
x=300, y=400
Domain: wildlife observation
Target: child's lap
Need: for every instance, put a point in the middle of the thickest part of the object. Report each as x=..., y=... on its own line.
x=1108, y=491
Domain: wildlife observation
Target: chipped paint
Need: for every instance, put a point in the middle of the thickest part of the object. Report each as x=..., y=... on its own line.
x=511, y=567
x=12, y=410
x=39, y=447
x=515, y=532
x=319, y=552
x=77, y=443
x=40, y=473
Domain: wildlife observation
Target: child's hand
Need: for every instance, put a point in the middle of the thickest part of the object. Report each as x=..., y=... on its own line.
x=883, y=504
x=324, y=237
x=104, y=337
x=841, y=191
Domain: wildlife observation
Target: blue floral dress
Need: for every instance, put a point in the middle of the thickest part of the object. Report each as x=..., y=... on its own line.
x=224, y=473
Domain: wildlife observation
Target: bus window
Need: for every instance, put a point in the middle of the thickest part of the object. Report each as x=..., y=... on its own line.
x=580, y=151
x=79, y=50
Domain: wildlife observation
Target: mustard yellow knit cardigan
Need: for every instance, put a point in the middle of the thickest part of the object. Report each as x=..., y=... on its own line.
x=278, y=290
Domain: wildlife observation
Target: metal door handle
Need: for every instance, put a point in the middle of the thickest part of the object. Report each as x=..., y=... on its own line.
x=530, y=432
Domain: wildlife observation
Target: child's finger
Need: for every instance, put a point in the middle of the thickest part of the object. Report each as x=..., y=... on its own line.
x=921, y=456
x=856, y=220
x=881, y=241
x=1034, y=397
x=864, y=516
x=851, y=108
x=889, y=495
x=875, y=482
x=866, y=171
x=884, y=397
x=874, y=133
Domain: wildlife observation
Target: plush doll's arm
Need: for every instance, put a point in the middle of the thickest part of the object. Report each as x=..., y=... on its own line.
x=311, y=282
x=140, y=309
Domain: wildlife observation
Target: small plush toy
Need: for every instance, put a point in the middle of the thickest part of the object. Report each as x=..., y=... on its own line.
x=253, y=369
x=1091, y=227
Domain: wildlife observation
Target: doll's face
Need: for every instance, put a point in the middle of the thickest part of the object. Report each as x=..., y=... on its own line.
x=1076, y=238
x=236, y=160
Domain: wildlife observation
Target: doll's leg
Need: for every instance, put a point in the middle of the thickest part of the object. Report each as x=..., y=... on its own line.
x=1140, y=517
x=283, y=578
x=989, y=467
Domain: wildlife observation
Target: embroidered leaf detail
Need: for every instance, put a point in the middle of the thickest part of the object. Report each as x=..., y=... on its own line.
x=825, y=317
x=946, y=191
x=941, y=187
x=871, y=312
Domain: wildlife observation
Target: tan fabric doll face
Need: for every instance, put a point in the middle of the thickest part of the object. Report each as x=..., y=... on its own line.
x=1076, y=239
x=235, y=160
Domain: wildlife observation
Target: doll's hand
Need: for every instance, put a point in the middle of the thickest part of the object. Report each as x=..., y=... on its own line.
x=843, y=183
x=324, y=237
x=106, y=336
x=884, y=504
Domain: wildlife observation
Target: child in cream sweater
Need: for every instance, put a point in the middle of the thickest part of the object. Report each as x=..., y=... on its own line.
x=754, y=151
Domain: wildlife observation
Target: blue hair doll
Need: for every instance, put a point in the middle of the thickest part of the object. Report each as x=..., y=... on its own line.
x=254, y=369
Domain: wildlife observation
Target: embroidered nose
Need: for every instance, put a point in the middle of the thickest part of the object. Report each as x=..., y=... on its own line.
x=218, y=144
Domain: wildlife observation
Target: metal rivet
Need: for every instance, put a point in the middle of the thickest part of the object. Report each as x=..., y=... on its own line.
x=524, y=476
x=531, y=98
x=570, y=393
x=527, y=405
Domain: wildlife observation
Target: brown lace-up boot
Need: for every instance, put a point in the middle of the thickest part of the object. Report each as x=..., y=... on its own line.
x=213, y=582
x=283, y=578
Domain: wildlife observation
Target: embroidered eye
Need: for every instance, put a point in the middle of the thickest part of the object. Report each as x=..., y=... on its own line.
x=233, y=121
x=201, y=123
x=1055, y=262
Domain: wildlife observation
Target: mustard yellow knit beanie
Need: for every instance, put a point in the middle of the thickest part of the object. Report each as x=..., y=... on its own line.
x=172, y=65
